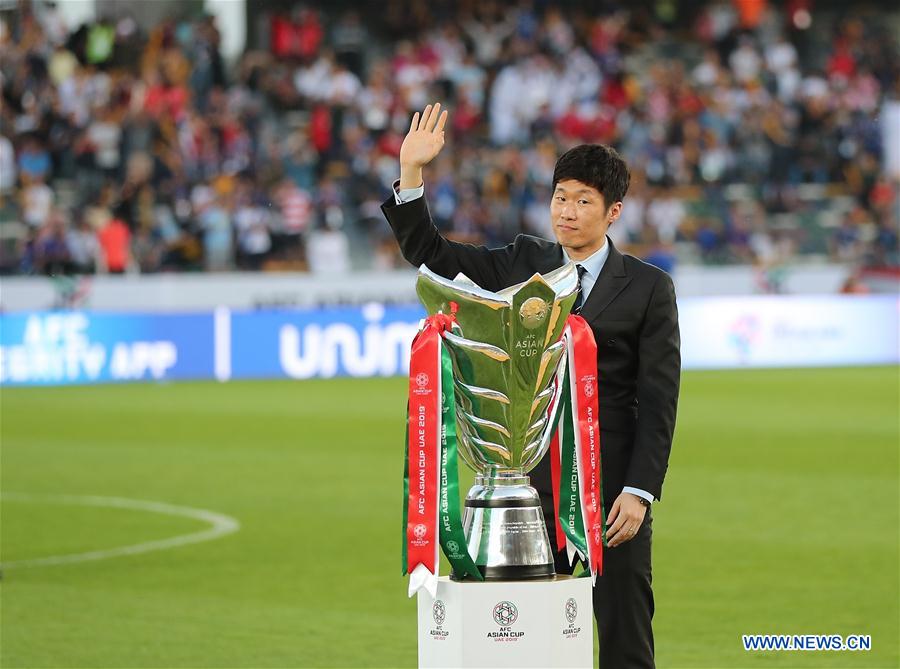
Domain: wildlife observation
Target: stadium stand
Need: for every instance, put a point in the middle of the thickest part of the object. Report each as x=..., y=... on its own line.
x=752, y=129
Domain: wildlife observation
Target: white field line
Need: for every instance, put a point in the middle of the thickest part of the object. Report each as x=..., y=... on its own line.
x=221, y=525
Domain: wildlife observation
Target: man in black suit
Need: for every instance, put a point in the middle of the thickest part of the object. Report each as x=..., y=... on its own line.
x=630, y=307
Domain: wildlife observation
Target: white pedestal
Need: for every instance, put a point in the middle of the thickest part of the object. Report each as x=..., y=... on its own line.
x=507, y=624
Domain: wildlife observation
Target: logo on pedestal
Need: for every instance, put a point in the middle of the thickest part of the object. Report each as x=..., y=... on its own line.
x=419, y=531
x=571, y=610
x=439, y=612
x=505, y=614
x=452, y=546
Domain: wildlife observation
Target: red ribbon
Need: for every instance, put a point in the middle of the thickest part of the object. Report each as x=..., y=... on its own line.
x=424, y=444
x=585, y=412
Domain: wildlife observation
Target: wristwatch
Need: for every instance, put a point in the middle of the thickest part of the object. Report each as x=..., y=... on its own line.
x=644, y=501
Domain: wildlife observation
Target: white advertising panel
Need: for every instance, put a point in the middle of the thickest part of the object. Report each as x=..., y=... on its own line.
x=788, y=331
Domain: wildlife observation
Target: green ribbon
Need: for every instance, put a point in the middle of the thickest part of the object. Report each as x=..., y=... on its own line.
x=452, y=538
x=569, y=488
x=404, y=566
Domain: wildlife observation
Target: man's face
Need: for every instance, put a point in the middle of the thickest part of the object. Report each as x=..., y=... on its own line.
x=580, y=218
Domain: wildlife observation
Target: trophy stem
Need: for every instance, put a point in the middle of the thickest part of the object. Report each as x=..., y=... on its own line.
x=504, y=527
x=496, y=478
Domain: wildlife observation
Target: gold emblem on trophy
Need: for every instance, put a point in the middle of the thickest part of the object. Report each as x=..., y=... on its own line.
x=533, y=312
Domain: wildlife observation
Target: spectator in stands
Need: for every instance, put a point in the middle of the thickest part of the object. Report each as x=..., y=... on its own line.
x=328, y=248
x=115, y=242
x=36, y=199
x=8, y=173
x=51, y=250
x=84, y=248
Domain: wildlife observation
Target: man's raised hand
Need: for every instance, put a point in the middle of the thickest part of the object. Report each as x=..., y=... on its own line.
x=425, y=138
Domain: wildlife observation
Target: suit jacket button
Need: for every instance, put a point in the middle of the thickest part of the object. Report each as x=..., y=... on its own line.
x=610, y=342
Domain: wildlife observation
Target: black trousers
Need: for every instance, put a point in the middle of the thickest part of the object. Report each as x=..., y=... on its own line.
x=623, y=598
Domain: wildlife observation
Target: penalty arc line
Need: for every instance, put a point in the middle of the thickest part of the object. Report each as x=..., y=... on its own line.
x=222, y=525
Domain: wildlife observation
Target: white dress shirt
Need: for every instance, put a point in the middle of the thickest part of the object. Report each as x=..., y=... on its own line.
x=593, y=264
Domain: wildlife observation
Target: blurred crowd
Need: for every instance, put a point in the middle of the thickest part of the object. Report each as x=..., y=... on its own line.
x=752, y=132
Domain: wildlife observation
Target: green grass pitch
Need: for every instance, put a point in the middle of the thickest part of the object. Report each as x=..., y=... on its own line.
x=780, y=515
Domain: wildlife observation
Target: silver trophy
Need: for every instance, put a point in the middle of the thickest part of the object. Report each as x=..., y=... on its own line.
x=508, y=371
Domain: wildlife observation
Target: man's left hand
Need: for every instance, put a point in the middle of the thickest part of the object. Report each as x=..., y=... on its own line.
x=624, y=520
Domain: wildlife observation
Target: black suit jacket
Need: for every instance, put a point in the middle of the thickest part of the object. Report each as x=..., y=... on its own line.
x=631, y=310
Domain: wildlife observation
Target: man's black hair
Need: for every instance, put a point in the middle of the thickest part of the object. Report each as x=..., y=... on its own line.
x=598, y=166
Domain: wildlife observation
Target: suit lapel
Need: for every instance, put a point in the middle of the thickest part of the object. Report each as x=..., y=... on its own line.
x=552, y=261
x=610, y=283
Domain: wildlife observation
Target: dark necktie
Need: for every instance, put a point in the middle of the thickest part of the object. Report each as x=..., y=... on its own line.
x=579, y=300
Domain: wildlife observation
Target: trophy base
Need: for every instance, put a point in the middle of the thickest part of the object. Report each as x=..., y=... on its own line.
x=505, y=530
x=513, y=573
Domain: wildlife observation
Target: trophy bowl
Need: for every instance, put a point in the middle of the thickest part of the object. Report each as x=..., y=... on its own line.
x=509, y=364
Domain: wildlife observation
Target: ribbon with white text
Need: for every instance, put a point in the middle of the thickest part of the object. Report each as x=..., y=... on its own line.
x=582, y=351
x=423, y=453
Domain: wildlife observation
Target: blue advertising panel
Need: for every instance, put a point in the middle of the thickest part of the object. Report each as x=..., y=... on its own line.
x=372, y=340
x=56, y=348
